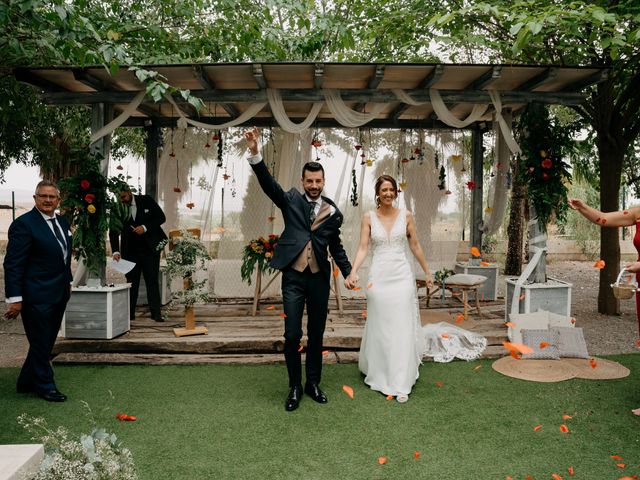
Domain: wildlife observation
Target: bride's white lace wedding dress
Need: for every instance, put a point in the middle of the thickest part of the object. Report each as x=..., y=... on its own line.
x=394, y=341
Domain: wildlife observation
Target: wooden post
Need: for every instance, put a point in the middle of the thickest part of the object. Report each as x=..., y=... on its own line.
x=476, y=193
x=257, y=292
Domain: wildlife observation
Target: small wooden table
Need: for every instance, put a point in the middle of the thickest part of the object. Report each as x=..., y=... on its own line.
x=464, y=289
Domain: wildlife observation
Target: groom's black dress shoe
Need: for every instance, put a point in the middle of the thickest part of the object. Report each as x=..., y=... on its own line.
x=53, y=396
x=313, y=390
x=293, y=399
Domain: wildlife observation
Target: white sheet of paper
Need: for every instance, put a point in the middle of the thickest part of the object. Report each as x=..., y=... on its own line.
x=122, y=266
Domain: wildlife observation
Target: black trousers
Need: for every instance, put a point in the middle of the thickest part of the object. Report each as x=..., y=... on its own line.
x=300, y=289
x=147, y=264
x=41, y=324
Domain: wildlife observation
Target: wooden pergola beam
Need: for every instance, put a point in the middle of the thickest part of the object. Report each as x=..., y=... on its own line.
x=426, y=83
x=373, y=83
x=314, y=95
x=318, y=75
x=36, y=81
x=594, y=79
x=207, y=84
x=258, y=75
x=546, y=76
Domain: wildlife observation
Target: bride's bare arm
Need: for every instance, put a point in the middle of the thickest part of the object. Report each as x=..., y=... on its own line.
x=415, y=247
x=363, y=247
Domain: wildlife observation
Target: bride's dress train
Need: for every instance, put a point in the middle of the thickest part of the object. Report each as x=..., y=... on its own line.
x=393, y=341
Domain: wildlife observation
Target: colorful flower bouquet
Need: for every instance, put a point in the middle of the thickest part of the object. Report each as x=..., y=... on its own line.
x=258, y=252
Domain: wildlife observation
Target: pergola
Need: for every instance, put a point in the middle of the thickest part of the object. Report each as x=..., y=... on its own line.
x=229, y=89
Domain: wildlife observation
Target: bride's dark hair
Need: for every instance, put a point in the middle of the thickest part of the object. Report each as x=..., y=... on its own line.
x=381, y=179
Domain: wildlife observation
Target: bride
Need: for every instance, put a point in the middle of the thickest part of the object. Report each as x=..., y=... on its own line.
x=394, y=342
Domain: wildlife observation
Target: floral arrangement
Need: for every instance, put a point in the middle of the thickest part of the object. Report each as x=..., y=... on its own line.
x=98, y=455
x=441, y=275
x=187, y=256
x=544, y=143
x=86, y=203
x=258, y=252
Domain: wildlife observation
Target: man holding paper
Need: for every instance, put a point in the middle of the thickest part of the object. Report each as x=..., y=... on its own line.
x=137, y=241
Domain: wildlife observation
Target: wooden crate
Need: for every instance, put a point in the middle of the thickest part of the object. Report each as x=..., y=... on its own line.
x=97, y=312
x=489, y=289
x=553, y=296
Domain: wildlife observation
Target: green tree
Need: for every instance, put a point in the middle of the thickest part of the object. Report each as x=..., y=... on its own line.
x=601, y=33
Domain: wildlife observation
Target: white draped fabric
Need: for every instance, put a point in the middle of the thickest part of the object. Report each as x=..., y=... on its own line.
x=120, y=119
x=345, y=115
x=447, y=117
x=499, y=188
x=277, y=108
x=504, y=127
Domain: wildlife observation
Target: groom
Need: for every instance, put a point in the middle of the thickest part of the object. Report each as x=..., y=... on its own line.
x=311, y=227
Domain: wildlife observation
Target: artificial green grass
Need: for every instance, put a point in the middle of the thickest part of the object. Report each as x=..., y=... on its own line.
x=228, y=422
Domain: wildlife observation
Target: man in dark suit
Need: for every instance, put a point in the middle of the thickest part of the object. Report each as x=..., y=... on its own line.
x=37, y=276
x=137, y=241
x=311, y=228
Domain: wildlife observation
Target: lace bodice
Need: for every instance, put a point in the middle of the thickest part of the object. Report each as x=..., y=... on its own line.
x=393, y=242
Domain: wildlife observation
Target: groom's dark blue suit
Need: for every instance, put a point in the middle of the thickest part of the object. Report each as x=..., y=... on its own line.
x=300, y=288
x=35, y=268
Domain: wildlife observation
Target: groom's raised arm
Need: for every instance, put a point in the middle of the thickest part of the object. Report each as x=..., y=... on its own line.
x=267, y=182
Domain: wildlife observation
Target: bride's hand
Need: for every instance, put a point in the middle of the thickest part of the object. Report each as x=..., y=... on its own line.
x=351, y=281
x=428, y=280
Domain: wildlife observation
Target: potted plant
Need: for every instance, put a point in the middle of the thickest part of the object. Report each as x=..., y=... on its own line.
x=187, y=255
x=95, y=310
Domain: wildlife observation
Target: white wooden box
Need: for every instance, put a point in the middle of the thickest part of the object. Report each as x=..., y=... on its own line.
x=489, y=289
x=553, y=296
x=97, y=312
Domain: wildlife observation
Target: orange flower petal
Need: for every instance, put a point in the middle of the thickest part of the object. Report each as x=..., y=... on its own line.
x=555, y=476
x=515, y=355
x=389, y=397
x=325, y=353
x=356, y=289
x=620, y=465
x=459, y=318
x=283, y=315
x=445, y=335
x=564, y=428
x=336, y=271
x=370, y=285
x=477, y=367
x=475, y=252
x=348, y=390
x=517, y=347
x=521, y=297
x=571, y=471
x=629, y=478
x=300, y=348
x=537, y=428
x=593, y=362
x=599, y=264
x=616, y=457
x=544, y=345
x=439, y=384
x=566, y=417
x=382, y=460
x=638, y=343
x=271, y=307
x=484, y=264
x=510, y=324
x=364, y=313
x=508, y=477
x=416, y=455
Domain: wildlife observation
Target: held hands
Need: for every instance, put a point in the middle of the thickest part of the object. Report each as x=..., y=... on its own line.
x=351, y=281
x=428, y=280
x=252, y=137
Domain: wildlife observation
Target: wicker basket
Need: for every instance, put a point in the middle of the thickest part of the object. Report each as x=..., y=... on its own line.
x=625, y=286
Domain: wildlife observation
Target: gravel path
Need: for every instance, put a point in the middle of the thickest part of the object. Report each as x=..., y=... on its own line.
x=604, y=334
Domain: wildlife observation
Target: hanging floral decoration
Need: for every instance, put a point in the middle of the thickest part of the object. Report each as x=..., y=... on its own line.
x=442, y=177
x=220, y=148
x=354, y=190
x=471, y=185
x=544, y=143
